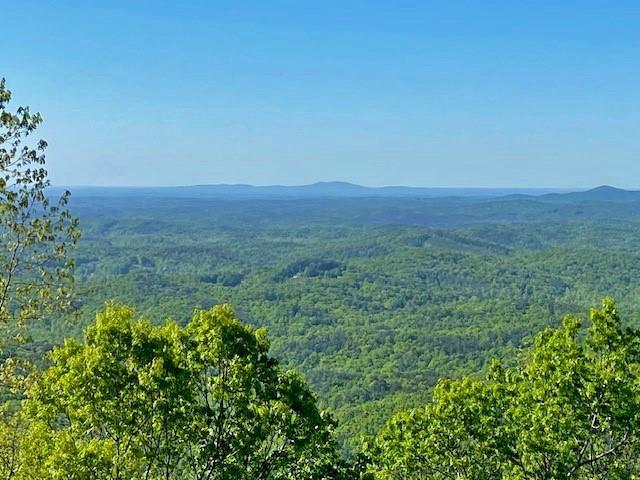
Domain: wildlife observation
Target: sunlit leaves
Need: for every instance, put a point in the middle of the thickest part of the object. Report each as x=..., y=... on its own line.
x=204, y=401
x=570, y=409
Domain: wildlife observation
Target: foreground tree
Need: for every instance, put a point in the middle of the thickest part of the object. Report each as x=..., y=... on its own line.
x=201, y=402
x=35, y=234
x=36, y=278
x=570, y=409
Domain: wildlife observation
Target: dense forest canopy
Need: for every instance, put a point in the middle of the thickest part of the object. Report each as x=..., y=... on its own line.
x=568, y=409
x=426, y=324
x=366, y=297
x=204, y=401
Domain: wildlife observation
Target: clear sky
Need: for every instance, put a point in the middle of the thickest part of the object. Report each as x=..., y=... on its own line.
x=451, y=93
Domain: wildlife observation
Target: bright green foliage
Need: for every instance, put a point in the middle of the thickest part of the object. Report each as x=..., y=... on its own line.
x=412, y=304
x=450, y=438
x=570, y=409
x=16, y=376
x=113, y=402
x=36, y=279
x=135, y=401
x=35, y=235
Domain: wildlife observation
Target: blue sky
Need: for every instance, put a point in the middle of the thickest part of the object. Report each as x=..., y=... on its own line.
x=292, y=92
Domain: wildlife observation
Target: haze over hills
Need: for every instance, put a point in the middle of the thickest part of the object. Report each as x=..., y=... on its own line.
x=319, y=241
x=315, y=190
x=337, y=203
x=603, y=193
x=373, y=294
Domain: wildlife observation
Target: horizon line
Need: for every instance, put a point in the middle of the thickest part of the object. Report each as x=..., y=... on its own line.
x=338, y=182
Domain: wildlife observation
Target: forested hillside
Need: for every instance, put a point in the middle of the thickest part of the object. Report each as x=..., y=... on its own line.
x=319, y=240
x=371, y=299
x=426, y=326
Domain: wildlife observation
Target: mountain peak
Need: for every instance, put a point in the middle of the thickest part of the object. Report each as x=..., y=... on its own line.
x=603, y=193
x=607, y=189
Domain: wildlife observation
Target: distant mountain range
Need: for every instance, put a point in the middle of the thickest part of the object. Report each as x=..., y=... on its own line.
x=604, y=193
x=315, y=190
x=345, y=189
x=343, y=203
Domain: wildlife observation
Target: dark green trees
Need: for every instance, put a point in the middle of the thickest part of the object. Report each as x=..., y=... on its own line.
x=570, y=409
x=206, y=401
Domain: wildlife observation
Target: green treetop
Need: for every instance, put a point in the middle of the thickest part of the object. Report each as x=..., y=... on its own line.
x=570, y=409
x=136, y=401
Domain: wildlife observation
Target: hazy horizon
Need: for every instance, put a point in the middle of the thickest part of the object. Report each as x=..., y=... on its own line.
x=446, y=95
x=346, y=183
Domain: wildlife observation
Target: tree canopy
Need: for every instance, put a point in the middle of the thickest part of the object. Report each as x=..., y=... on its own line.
x=569, y=409
x=373, y=315
x=204, y=401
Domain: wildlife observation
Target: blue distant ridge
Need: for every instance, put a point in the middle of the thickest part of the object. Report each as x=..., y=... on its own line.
x=315, y=190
